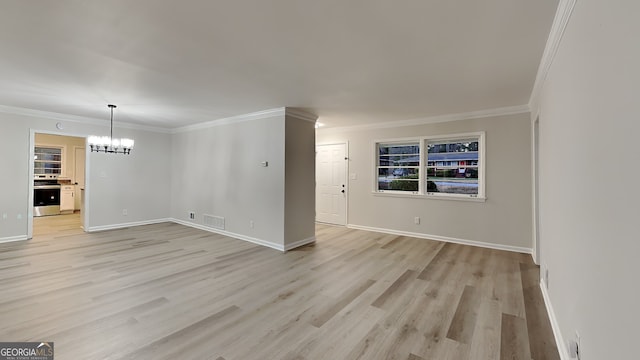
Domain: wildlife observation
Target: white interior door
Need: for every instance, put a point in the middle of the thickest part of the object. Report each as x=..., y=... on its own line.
x=331, y=184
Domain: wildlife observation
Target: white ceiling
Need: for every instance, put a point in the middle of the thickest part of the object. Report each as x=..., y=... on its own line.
x=175, y=63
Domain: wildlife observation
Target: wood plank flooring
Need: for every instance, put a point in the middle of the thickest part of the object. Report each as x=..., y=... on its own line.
x=166, y=291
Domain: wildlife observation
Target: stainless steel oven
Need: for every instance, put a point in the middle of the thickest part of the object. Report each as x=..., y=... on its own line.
x=46, y=197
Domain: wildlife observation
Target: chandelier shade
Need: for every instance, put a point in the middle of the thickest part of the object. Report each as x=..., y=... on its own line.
x=108, y=144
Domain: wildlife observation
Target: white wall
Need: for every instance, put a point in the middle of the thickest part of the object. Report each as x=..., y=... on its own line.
x=217, y=171
x=138, y=182
x=504, y=220
x=14, y=176
x=300, y=181
x=588, y=179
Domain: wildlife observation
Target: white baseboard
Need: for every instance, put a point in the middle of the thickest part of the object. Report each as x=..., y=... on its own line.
x=444, y=238
x=562, y=346
x=13, y=238
x=299, y=243
x=124, y=225
x=269, y=244
x=250, y=239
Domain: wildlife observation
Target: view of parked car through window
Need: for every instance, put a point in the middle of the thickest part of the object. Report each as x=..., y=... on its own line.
x=444, y=166
x=399, y=166
x=453, y=165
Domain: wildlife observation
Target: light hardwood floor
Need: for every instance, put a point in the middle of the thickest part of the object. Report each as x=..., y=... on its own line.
x=167, y=291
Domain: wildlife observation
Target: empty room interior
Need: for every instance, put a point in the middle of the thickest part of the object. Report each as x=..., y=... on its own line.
x=319, y=179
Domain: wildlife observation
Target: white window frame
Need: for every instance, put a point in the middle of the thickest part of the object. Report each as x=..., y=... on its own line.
x=63, y=150
x=420, y=164
x=422, y=173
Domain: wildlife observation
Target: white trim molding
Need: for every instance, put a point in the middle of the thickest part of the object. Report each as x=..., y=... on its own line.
x=480, y=114
x=563, y=14
x=257, y=241
x=299, y=243
x=125, y=225
x=48, y=115
x=232, y=120
x=481, y=244
x=13, y=238
x=562, y=346
x=301, y=114
x=293, y=112
x=408, y=195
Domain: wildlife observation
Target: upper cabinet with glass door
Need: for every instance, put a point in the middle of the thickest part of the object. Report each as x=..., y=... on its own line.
x=47, y=161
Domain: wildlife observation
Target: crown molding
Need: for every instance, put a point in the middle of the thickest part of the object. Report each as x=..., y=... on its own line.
x=48, y=115
x=301, y=114
x=232, y=120
x=563, y=15
x=510, y=110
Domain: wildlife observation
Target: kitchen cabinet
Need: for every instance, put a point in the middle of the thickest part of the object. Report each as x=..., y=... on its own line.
x=77, y=198
x=67, y=198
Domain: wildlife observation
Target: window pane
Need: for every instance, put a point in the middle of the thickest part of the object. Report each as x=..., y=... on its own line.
x=50, y=154
x=458, y=145
x=49, y=157
x=453, y=186
x=467, y=158
x=452, y=166
x=398, y=173
x=395, y=149
x=399, y=160
x=47, y=160
x=399, y=154
x=447, y=172
x=398, y=179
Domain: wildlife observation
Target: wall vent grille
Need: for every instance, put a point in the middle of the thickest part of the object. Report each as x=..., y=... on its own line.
x=216, y=222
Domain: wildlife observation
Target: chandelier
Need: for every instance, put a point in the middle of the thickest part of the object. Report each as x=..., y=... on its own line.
x=108, y=144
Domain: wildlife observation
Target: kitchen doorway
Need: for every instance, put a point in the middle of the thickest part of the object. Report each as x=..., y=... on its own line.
x=57, y=181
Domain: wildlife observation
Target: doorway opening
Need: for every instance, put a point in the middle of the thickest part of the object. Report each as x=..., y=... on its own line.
x=57, y=167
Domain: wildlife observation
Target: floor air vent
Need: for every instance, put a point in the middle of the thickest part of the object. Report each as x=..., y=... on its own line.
x=216, y=222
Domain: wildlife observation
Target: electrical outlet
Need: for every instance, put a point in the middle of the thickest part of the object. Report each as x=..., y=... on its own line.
x=125, y=212
x=4, y=216
x=19, y=216
x=416, y=220
x=251, y=224
x=192, y=215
